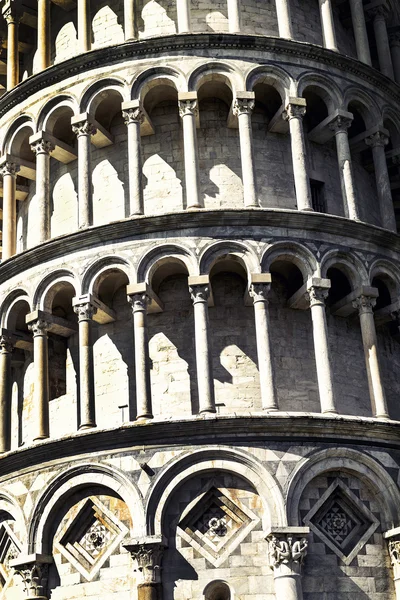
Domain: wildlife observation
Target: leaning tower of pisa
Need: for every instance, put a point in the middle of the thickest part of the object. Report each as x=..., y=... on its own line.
x=200, y=300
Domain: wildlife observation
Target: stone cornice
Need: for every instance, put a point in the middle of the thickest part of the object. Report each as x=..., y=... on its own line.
x=185, y=43
x=294, y=428
x=194, y=222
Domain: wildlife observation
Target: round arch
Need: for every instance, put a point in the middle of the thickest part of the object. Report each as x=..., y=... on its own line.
x=16, y=135
x=214, y=459
x=351, y=265
x=272, y=75
x=219, y=250
x=210, y=70
x=9, y=303
x=63, y=485
x=94, y=90
x=368, y=108
x=330, y=92
x=93, y=274
x=344, y=459
x=293, y=252
x=157, y=76
x=46, y=289
x=150, y=261
x=48, y=113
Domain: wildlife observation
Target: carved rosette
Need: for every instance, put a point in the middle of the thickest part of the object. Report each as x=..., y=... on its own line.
x=188, y=107
x=259, y=292
x=84, y=128
x=294, y=111
x=133, y=115
x=243, y=106
x=6, y=344
x=377, y=140
x=9, y=168
x=364, y=304
x=340, y=124
x=286, y=553
x=85, y=311
x=149, y=558
x=39, y=327
x=34, y=577
x=199, y=293
x=42, y=147
x=316, y=296
x=139, y=302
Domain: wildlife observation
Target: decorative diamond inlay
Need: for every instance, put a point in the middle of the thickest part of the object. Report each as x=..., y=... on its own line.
x=90, y=537
x=9, y=549
x=215, y=523
x=342, y=521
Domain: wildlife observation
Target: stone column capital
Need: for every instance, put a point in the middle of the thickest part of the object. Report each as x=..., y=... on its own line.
x=39, y=327
x=317, y=295
x=42, y=146
x=296, y=108
x=34, y=570
x=85, y=311
x=394, y=37
x=139, y=302
x=133, y=115
x=259, y=291
x=243, y=105
x=378, y=139
x=84, y=128
x=188, y=104
x=287, y=549
x=148, y=553
x=341, y=124
x=364, y=304
x=12, y=13
x=200, y=293
x=379, y=12
x=9, y=168
x=6, y=343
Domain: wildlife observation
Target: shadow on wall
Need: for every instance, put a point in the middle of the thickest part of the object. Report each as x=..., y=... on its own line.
x=156, y=18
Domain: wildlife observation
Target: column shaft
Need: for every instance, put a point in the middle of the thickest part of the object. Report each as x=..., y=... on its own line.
x=43, y=34
x=139, y=304
x=205, y=381
x=288, y=587
x=133, y=119
x=84, y=25
x=360, y=31
x=395, y=50
x=242, y=109
x=84, y=131
x=129, y=19
x=378, y=142
x=41, y=390
x=284, y=20
x=9, y=241
x=382, y=43
x=340, y=127
x=328, y=25
x=364, y=305
x=42, y=149
x=85, y=314
x=5, y=392
x=295, y=113
x=321, y=348
x=183, y=12
x=234, y=16
x=12, y=48
x=188, y=110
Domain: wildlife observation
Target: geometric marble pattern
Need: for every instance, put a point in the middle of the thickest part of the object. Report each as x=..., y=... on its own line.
x=342, y=521
x=10, y=548
x=215, y=523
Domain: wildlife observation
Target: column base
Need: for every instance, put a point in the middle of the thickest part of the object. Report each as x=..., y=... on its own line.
x=86, y=426
x=271, y=409
x=208, y=411
x=329, y=412
x=194, y=207
x=382, y=417
x=40, y=438
x=137, y=213
x=144, y=417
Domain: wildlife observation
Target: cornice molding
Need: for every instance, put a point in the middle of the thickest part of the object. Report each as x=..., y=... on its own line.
x=176, y=44
x=203, y=431
x=194, y=222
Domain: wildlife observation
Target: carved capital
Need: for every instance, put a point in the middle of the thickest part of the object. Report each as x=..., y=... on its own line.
x=364, y=304
x=148, y=556
x=340, y=124
x=139, y=302
x=133, y=115
x=85, y=311
x=84, y=128
x=9, y=168
x=188, y=107
x=294, y=111
x=379, y=12
x=34, y=578
x=39, y=327
x=394, y=38
x=378, y=139
x=199, y=293
x=287, y=552
x=243, y=106
x=6, y=344
x=317, y=295
x=42, y=147
x=259, y=292
x=11, y=14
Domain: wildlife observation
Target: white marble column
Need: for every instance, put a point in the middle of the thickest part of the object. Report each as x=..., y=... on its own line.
x=340, y=126
x=43, y=34
x=377, y=142
x=42, y=148
x=188, y=111
x=294, y=113
x=34, y=571
x=200, y=293
x=133, y=118
x=12, y=18
x=394, y=553
x=360, y=31
x=84, y=131
x=6, y=348
x=84, y=25
x=284, y=19
x=87, y=416
x=316, y=295
x=8, y=171
x=394, y=40
x=39, y=329
x=183, y=12
x=234, y=16
x=287, y=548
x=147, y=552
x=259, y=290
x=139, y=303
x=364, y=305
x=328, y=25
x=243, y=106
x=379, y=14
